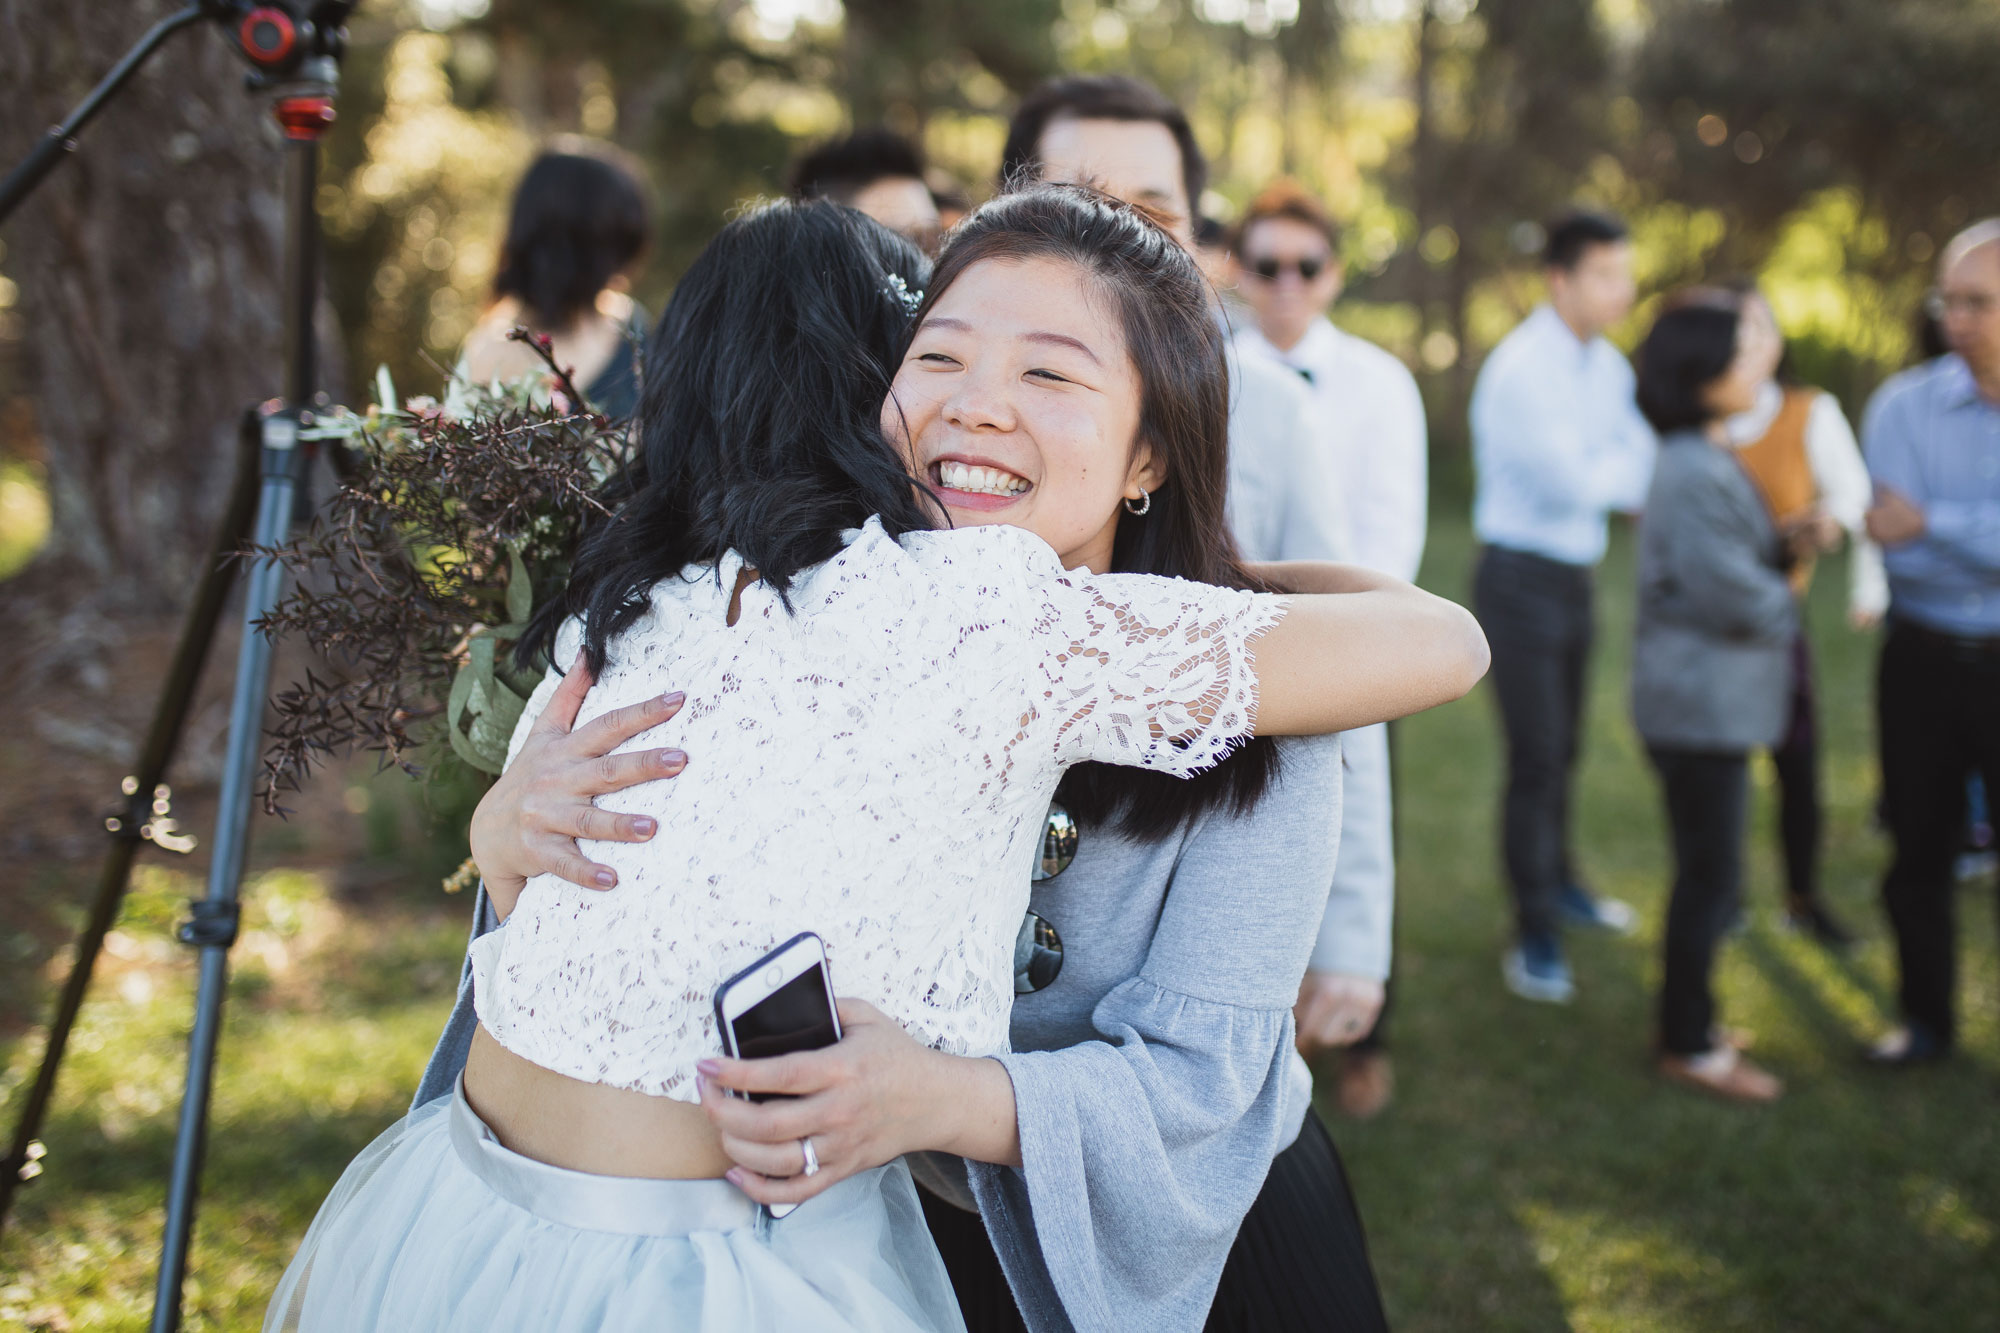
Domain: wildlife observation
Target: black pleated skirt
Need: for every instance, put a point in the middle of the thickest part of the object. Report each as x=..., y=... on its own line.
x=1299, y=1264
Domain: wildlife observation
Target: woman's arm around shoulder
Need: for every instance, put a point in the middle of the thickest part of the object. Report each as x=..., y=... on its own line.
x=1356, y=647
x=1169, y=674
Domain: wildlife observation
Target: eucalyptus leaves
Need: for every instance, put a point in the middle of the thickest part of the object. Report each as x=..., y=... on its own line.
x=488, y=693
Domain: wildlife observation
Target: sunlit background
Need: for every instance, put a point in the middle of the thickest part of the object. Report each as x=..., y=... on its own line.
x=1532, y=1174
x=1826, y=148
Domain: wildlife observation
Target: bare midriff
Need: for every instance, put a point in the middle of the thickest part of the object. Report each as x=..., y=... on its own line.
x=588, y=1127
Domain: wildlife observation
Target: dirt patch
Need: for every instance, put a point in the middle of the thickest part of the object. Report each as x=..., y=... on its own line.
x=73, y=736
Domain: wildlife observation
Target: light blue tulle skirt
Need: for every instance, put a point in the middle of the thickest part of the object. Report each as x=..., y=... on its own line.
x=436, y=1226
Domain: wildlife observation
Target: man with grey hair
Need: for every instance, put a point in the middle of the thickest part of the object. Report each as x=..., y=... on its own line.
x=1932, y=439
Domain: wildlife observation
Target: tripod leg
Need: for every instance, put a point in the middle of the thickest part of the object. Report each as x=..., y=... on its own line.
x=213, y=928
x=162, y=738
x=305, y=111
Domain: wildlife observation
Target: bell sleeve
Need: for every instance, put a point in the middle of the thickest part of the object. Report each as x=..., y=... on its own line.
x=1143, y=1149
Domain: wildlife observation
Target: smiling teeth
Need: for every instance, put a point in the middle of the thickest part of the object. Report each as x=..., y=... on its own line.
x=980, y=480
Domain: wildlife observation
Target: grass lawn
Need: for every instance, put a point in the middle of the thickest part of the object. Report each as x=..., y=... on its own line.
x=1533, y=1173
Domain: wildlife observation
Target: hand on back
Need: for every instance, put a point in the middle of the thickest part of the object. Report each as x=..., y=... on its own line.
x=529, y=821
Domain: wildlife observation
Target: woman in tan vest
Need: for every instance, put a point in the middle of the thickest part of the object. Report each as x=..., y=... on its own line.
x=1800, y=451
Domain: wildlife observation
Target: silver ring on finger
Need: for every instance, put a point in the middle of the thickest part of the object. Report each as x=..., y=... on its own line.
x=811, y=1157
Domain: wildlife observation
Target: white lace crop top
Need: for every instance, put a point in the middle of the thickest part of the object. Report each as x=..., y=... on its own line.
x=873, y=767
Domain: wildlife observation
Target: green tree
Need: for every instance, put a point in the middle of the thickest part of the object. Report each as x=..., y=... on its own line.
x=1866, y=131
x=1510, y=116
x=149, y=271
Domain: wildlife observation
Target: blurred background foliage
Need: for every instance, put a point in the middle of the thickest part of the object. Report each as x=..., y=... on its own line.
x=1530, y=1179
x=1828, y=146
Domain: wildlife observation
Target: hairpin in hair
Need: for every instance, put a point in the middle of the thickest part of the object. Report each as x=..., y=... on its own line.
x=900, y=290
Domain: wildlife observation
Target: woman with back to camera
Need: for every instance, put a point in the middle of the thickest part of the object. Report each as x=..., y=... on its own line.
x=576, y=230
x=1153, y=1079
x=1712, y=665
x=851, y=671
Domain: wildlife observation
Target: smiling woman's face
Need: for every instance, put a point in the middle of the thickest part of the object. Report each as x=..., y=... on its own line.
x=1019, y=403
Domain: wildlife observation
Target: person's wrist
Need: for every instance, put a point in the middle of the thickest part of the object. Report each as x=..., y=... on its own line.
x=935, y=1112
x=977, y=1097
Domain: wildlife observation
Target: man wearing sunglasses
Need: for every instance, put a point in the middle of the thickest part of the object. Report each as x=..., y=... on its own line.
x=1371, y=422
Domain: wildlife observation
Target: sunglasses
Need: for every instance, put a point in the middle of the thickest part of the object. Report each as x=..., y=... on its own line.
x=1939, y=305
x=1038, y=949
x=1270, y=270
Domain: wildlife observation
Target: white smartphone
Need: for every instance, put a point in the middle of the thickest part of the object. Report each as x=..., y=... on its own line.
x=781, y=1003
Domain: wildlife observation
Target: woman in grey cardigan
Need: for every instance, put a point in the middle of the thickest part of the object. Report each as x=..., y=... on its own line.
x=1711, y=677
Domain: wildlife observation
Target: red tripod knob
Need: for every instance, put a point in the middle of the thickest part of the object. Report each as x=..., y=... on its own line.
x=268, y=35
x=305, y=117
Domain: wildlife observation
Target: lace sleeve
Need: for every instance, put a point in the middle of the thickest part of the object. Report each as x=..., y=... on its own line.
x=1150, y=672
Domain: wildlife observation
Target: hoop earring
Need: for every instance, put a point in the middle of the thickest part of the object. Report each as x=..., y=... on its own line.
x=1145, y=503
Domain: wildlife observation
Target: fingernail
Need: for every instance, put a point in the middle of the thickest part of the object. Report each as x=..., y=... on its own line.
x=606, y=878
x=734, y=1175
x=673, y=759
x=708, y=1067
x=674, y=700
x=644, y=827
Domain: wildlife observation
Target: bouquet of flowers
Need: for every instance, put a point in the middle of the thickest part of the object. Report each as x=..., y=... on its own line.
x=454, y=525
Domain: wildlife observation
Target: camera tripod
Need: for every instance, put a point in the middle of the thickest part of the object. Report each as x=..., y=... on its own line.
x=294, y=51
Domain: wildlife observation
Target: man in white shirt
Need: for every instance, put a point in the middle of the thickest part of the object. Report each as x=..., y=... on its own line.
x=1127, y=139
x=1371, y=426
x=1557, y=445
x=1290, y=274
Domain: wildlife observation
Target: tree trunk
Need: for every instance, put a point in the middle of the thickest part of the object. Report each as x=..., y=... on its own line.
x=149, y=266
x=1423, y=164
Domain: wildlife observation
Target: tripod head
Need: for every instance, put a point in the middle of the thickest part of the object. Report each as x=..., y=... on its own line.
x=291, y=42
x=282, y=41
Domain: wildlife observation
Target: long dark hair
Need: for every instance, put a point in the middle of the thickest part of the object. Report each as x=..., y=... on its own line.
x=761, y=421
x=1176, y=345
x=578, y=220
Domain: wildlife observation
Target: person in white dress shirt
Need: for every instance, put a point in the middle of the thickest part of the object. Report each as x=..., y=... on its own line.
x=1284, y=503
x=1799, y=449
x=1558, y=445
x=1369, y=419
